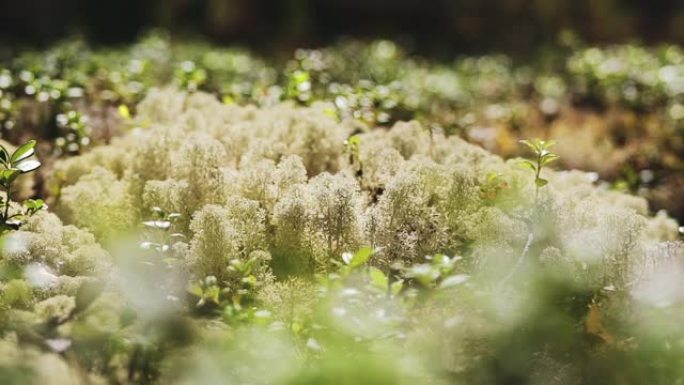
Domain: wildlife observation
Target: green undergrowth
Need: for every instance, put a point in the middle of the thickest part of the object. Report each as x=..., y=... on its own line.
x=217, y=243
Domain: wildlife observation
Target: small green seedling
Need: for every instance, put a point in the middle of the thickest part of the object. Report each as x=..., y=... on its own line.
x=492, y=187
x=299, y=86
x=11, y=166
x=75, y=133
x=437, y=272
x=32, y=206
x=189, y=76
x=206, y=290
x=359, y=258
x=353, y=148
x=543, y=158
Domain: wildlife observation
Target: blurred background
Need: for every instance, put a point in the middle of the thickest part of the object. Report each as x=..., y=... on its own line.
x=430, y=27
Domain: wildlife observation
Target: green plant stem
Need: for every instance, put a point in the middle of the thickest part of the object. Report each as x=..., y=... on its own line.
x=521, y=258
x=7, y=201
x=536, y=180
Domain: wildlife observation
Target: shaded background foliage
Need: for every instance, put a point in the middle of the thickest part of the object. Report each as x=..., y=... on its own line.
x=435, y=27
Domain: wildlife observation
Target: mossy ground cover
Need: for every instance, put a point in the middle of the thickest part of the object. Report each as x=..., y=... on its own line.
x=614, y=110
x=219, y=218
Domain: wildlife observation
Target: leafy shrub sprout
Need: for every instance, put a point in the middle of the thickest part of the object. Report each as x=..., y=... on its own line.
x=543, y=157
x=14, y=164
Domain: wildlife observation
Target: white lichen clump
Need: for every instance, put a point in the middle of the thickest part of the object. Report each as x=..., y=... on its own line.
x=280, y=181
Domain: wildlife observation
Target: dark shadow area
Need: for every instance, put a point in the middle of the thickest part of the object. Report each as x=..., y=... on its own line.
x=434, y=27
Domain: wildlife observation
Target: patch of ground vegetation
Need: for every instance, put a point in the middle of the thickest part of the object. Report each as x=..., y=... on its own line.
x=615, y=110
x=250, y=244
x=214, y=219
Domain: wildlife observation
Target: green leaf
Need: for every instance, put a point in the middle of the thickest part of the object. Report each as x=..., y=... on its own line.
x=24, y=151
x=396, y=286
x=300, y=76
x=541, y=182
x=34, y=205
x=4, y=155
x=330, y=112
x=39, y=204
x=378, y=278
x=454, y=280
x=212, y=293
x=424, y=273
x=361, y=256
x=124, y=112
x=249, y=280
x=538, y=146
x=195, y=290
x=528, y=144
x=15, y=221
x=8, y=176
x=27, y=165
x=528, y=164
x=161, y=225
x=549, y=158
x=441, y=261
x=228, y=100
